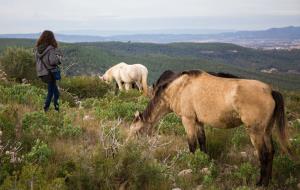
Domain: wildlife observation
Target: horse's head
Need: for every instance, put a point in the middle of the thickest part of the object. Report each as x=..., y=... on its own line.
x=104, y=78
x=137, y=125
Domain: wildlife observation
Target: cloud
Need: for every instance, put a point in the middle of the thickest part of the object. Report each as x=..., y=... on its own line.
x=31, y=15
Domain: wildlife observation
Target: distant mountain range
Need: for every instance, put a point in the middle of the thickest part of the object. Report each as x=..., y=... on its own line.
x=274, y=37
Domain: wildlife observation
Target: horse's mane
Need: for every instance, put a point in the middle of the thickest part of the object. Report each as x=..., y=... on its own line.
x=223, y=75
x=166, y=75
x=169, y=77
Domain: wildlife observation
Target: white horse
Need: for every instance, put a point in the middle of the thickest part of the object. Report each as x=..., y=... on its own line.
x=128, y=74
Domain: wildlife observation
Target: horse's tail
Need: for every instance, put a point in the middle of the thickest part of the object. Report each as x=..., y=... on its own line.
x=279, y=117
x=144, y=82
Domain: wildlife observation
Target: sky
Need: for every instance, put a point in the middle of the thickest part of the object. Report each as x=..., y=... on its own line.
x=30, y=16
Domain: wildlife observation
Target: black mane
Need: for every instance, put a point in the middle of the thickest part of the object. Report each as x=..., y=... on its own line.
x=223, y=75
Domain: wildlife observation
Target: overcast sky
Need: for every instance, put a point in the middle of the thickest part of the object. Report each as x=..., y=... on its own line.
x=26, y=16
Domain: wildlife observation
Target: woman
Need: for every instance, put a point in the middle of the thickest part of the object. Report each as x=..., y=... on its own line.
x=47, y=61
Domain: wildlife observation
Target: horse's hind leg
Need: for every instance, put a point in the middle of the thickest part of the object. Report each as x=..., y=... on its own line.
x=190, y=128
x=264, y=146
x=138, y=84
x=201, y=137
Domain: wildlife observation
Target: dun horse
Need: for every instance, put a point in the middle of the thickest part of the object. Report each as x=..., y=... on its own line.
x=220, y=101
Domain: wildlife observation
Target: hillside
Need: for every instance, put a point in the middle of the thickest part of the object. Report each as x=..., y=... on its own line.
x=84, y=147
x=95, y=58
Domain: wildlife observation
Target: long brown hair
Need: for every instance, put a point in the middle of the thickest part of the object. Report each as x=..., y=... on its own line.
x=47, y=38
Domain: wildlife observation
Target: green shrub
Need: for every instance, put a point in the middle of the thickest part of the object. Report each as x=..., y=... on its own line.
x=70, y=131
x=34, y=120
x=240, y=138
x=171, y=124
x=22, y=94
x=18, y=63
x=218, y=141
x=284, y=169
x=242, y=188
x=85, y=87
x=32, y=177
x=246, y=173
x=8, y=120
x=39, y=153
x=114, y=107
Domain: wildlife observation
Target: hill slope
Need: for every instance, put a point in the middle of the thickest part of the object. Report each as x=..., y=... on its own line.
x=94, y=58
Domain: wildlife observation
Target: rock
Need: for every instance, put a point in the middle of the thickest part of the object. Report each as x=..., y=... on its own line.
x=176, y=188
x=24, y=81
x=186, y=172
x=298, y=185
x=199, y=187
x=244, y=154
x=87, y=117
x=205, y=171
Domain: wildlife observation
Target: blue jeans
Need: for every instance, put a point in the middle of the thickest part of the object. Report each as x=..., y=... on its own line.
x=52, y=91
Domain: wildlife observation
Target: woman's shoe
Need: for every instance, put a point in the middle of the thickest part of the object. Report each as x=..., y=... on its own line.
x=56, y=108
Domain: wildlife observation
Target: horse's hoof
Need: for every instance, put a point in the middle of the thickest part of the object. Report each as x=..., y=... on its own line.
x=262, y=183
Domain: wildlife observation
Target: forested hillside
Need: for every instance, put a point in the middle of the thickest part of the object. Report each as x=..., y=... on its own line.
x=95, y=58
x=83, y=146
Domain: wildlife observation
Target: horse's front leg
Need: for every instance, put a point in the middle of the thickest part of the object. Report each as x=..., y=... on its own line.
x=191, y=131
x=201, y=137
x=127, y=86
x=120, y=85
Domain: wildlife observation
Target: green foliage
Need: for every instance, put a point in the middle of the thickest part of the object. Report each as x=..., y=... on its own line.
x=171, y=124
x=70, y=131
x=243, y=188
x=22, y=94
x=40, y=152
x=246, y=173
x=218, y=141
x=18, y=63
x=85, y=87
x=127, y=165
x=34, y=120
x=32, y=177
x=120, y=106
x=284, y=169
x=240, y=138
x=94, y=58
x=8, y=116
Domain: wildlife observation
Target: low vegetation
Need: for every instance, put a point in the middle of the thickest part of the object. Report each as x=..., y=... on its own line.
x=84, y=145
x=84, y=148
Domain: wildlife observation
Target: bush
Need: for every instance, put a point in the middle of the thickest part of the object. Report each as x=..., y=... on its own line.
x=284, y=169
x=171, y=124
x=8, y=120
x=39, y=153
x=246, y=173
x=18, y=63
x=32, y=176
x=218, y=141
x=114, y=107
x=240, y=138
x=85, y=87
x=22, y=94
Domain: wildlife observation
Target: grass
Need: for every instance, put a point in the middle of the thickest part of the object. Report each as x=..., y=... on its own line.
x=85, y=148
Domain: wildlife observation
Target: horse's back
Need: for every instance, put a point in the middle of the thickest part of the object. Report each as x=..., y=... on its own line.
x=215, y=100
